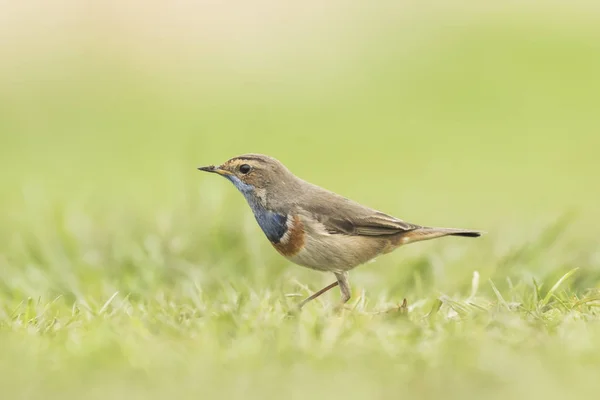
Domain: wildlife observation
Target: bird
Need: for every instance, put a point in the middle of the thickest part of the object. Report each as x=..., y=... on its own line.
x=316, y=228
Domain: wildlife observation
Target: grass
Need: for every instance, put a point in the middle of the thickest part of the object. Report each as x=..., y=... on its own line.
x=125, y=273
x=191, y=305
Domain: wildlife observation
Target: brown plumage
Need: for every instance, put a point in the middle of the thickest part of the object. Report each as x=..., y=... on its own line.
x=295, y=240
x=316, y=228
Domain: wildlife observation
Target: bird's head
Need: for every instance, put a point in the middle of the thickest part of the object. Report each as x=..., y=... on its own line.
x=255, y=174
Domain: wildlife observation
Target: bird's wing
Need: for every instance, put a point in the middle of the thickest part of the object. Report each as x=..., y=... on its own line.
x=378, y=224
x=343, y=216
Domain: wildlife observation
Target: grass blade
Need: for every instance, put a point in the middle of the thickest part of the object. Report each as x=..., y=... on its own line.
x=107, y=303
x=554, y=288
x=499, y=296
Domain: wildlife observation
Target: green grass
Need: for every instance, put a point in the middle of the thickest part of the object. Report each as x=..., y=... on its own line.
x=126, y=273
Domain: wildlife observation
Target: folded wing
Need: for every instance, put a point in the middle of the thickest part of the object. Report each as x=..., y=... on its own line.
x=340, y=215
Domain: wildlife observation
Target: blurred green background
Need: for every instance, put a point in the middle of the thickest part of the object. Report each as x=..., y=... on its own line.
x=461, y=114
x=425, y=111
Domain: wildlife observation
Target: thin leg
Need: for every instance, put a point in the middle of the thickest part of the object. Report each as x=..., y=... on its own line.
x=317, y=294
x=342, y=279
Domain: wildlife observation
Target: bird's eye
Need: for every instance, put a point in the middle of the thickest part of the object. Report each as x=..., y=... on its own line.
x=245, y=168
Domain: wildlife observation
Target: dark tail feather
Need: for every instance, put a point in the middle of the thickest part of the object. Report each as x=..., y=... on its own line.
x=467, y=234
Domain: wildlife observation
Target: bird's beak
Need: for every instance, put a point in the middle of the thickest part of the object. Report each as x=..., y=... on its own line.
x=216, y=170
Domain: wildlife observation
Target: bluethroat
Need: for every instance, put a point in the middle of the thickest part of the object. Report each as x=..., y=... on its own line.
x=316, y=228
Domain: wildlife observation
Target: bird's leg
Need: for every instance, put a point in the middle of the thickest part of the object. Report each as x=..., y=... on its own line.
x=342, y=279
x=317, y=294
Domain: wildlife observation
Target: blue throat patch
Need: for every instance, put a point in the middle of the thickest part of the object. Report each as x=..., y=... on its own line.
x=274, y=225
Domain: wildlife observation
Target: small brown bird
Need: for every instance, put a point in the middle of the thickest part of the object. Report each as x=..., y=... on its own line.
x=316, y=228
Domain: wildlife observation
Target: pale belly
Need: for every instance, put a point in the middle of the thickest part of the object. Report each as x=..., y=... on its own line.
x=337, y=252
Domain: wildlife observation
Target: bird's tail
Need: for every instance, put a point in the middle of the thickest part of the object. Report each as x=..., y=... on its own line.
x=424, y=233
